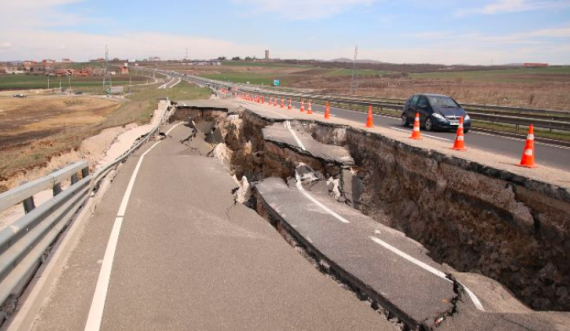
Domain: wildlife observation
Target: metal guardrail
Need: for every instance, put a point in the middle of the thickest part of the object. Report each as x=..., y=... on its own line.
x=26, y=242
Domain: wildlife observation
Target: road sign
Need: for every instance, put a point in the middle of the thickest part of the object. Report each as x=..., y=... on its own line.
x=276, y=82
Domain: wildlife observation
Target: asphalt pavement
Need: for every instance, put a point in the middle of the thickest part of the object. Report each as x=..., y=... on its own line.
x=546, y=154
x=187, y=257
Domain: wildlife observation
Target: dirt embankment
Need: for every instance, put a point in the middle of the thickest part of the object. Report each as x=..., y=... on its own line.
x=471, y=217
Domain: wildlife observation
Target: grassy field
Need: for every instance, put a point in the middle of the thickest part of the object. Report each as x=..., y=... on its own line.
x=32, y=134
x=520, y=75
x=22, y=82
x=260, y=73
x=244, y=77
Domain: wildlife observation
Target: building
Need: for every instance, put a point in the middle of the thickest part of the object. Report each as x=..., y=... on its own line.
x=125, y=69
x=84, y=72
x=205, y=63
x=154, y=59
x=64, y=72
x=66, y=61
x=535, y=65
x=2, y=67
x=267, y=55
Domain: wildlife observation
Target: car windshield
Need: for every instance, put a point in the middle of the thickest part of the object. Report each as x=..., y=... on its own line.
x=443, y=102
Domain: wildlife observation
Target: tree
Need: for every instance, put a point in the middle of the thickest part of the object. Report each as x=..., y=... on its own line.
x=236, y=58
x=248, y=58
x=222, y=58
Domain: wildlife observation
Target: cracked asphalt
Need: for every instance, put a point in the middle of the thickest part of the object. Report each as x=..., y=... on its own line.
x=188, y=258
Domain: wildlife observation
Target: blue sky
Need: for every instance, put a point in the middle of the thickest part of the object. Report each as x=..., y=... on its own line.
x=405, y=31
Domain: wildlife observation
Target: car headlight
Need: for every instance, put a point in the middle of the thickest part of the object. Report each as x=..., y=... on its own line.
x=466, y=118
x=436, y=115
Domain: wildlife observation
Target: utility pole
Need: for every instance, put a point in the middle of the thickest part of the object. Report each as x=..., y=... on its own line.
x=352, y=81
x=48, y=81
x=106, y=63
x=69, y=80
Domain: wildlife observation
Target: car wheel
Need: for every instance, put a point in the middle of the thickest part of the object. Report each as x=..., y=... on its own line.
x=429, y=124
x=405, y=122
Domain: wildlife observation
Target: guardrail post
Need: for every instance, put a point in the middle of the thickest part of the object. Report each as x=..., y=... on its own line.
x=84, y=172
x=28, y=203
x=74, y=179
x=56, y=189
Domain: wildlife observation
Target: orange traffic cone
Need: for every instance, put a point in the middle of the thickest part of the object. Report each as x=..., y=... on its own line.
x=262, y=100
x=282, y=104
x=328, y=111
x=309, y=109
x=289, y=107
x=275, y=102
x=302, y=105
x=527, y=159
x=416, y=130
x=369, y=120
x=459, y=144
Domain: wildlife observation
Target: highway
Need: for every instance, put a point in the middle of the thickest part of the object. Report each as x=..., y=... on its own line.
x=551, y=155
x=546, y=154
x=169, y=249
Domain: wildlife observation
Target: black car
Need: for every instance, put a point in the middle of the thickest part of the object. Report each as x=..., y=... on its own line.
x=437, y=112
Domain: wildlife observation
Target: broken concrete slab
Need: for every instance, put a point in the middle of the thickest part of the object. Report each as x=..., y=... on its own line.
x=415, y=295
x=288, y=134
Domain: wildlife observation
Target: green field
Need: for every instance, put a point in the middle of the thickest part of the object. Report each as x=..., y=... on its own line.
x=252, y=78
x=226, y=72
x=519, y=75
x=23, y=82
x=143, y=102
x=358, y=72
x=262, y=64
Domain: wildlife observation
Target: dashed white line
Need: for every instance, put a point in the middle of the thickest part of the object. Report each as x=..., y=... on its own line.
x=520, y=139
x=288, y=126
x=95, y=316
x=316, y=202
x=426, y=267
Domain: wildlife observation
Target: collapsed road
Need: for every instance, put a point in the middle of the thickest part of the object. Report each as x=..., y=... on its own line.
x=187, y=257
x=177, y=243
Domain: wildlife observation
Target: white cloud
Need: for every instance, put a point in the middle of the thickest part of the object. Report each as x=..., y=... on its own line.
x=302, y=9
x=38, y=14
x=37, y=44
x=510, y=6
x=557, y=32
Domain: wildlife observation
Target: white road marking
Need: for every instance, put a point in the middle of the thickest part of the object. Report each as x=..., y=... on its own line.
x=288, y=126
x=426, y=267
x=519, y=139
x=308, y=196
x=177, y=82
x=474, y=298
x=172, y=128
x=423, y=134
x=284, y=116
x=474, y=131
x=95, y=316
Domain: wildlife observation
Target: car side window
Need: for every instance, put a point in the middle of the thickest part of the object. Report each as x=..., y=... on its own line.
x=413, y=100
x=422, y=101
